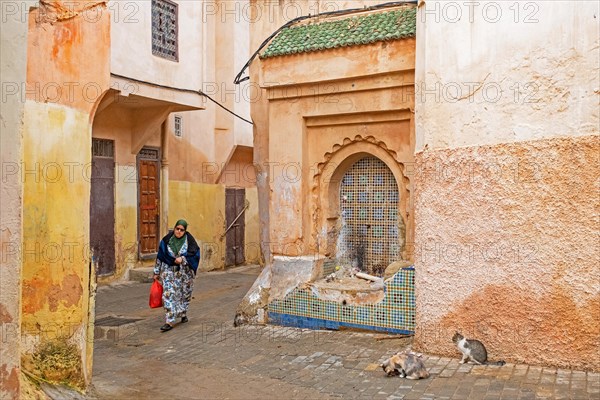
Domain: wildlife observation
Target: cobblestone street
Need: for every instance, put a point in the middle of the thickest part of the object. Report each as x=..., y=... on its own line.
x=208, y=358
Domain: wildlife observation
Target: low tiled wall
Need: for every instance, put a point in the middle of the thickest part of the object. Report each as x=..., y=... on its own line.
x=394, y=314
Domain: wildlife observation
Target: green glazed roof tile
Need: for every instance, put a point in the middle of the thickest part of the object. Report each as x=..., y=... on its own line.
x=351, y=31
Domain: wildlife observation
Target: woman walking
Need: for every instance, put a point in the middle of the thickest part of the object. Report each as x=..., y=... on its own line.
x=176, y=265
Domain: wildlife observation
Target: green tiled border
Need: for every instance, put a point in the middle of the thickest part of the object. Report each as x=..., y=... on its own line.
x=352, y=31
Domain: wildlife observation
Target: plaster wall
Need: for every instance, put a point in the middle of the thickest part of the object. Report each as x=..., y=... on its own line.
x=506, y=191
x=240, y=54
x=522, y=73
x=134, y=58
x=57, y=307
x=504, y=253
x=252, y=250
x=192, y=156
x=367, y=94
x=203, y=207
x=265, y=17
x=13, y=67
x=239, y=171
x=116, y=123
x=210, y=136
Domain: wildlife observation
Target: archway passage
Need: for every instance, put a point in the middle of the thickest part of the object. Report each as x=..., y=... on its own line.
x=369, y=198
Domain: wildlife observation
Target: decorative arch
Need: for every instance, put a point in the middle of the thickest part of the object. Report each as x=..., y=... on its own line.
x=326, y=186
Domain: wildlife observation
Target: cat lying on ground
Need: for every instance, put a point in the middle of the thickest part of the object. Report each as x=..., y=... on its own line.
x=406, y=364
x=472, y=349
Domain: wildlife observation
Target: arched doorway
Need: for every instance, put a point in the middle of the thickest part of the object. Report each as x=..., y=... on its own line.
x=371, y=232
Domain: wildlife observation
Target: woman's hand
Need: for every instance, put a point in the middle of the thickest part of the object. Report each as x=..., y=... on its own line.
x=155, y=277
x=178, y=260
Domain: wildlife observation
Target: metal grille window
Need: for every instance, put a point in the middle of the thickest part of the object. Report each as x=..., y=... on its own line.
x=149, y=153
x=103, y=148
x=178, y=126
x=369, y=208
x=165, y=29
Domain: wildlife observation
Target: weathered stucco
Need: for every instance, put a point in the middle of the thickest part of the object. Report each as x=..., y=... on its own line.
x=203, y=207
x=361, y=106
x=13, y=67
x=505, y=250
x=134, y=58
x=67, y=74
x=505, y=72
x=503, y=242
x=287, y=273
x=252, y=235
x=265, y=17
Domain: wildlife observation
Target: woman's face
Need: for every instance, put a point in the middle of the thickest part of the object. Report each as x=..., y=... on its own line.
x=179, y=231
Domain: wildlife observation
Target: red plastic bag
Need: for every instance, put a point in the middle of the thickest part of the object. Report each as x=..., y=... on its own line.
x=156, y=292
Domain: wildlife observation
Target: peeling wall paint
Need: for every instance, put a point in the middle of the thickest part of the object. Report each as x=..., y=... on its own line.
x=55, y=276
x=70, y=54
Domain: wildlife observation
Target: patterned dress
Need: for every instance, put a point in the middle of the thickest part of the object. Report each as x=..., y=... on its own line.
x=178, y=284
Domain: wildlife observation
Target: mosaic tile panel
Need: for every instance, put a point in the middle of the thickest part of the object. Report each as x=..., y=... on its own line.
x=329, y=267
x=369, y=198
x=395, y=313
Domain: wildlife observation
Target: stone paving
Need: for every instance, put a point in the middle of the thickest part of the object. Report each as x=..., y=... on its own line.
x=209, y=358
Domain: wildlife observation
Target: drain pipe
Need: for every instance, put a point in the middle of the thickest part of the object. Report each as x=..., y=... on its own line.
x=164, y=178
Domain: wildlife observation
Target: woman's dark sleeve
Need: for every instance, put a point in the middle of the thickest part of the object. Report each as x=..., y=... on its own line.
x=193, y=254
x=163, y=255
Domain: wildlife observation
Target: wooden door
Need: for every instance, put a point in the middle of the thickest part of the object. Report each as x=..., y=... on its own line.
x=102, y=207
x=235, y=217
x=149, y=202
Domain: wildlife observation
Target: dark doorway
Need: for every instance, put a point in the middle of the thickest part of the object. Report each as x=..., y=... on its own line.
x=235, y=210
x=102, y=207
x=149, y=201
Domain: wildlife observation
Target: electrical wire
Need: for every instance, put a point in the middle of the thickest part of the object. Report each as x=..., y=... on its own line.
x=238, y=78
x=198, y=92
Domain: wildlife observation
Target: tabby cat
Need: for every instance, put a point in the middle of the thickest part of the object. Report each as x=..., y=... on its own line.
x=406, y=364
x=472, y=349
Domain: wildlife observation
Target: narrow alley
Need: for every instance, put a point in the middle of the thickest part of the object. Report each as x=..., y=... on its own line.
x=208, y=358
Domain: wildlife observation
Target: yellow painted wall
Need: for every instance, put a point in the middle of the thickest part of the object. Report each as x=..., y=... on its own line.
x=126, y=218
x=203, y=207
x=56, y=198
x=67, y=74
x=252, y=234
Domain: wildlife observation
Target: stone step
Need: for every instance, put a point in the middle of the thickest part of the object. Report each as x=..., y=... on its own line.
x=142, y=275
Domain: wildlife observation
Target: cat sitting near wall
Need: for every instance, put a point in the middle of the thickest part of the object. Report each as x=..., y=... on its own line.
x=406, y=364
x=472, y=349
